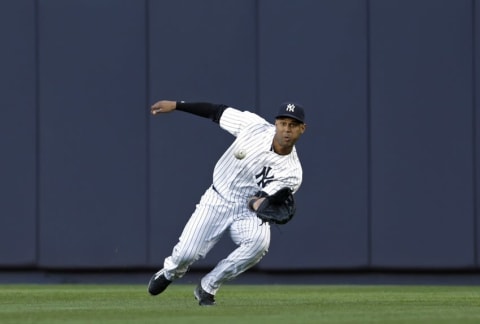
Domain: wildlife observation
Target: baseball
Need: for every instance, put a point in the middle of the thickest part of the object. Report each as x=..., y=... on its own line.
x=240, y=154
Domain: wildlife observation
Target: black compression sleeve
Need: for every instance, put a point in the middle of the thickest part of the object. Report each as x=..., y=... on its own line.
x=202, y=109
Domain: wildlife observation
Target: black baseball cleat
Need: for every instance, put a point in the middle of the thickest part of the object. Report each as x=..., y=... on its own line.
x=158, y=283
x=204, y=298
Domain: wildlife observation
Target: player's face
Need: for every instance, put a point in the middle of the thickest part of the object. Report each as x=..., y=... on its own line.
x=288, y=131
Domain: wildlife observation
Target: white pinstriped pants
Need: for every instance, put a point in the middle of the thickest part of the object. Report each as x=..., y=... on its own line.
x=212, y=217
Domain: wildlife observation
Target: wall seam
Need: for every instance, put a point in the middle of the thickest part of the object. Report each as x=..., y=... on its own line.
x=148, y=221
x=369, y=136
x=257, y=56
x=37, y=130
x=474, y=137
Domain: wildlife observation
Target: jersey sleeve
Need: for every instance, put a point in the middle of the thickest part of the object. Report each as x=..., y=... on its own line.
x=293, y=182
x=234, y=120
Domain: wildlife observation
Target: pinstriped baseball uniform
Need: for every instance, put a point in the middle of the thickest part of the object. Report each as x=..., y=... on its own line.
x=223, y=207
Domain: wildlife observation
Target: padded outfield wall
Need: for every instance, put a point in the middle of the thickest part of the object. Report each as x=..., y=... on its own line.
x=88, y=180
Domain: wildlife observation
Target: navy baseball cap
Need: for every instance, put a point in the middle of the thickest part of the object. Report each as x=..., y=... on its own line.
x=292, y=110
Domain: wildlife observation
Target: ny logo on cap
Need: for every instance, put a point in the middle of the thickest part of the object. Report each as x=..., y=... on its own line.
x=290, y=107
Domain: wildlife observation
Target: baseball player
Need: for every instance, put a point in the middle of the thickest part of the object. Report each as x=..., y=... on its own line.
x=261, y=161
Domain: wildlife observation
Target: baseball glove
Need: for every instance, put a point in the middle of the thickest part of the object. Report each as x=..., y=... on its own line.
x=278, y=208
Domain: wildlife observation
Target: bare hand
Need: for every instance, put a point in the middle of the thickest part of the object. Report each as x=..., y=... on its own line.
x=163, y=106
x=256, y=202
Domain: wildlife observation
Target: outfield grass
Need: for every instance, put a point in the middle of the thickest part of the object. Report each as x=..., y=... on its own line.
x=240, y=304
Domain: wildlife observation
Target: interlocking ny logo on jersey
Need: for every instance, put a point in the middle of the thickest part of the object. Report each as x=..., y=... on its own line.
x=264, y=177
x=291, y=107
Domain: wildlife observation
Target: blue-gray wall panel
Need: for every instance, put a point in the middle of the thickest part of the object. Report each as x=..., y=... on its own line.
x=93, y=208
x=210, y=56
x=315, y=52
x=421, y=108
x=17, y=133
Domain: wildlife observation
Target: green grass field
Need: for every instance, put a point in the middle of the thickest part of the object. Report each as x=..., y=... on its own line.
x=240, y=304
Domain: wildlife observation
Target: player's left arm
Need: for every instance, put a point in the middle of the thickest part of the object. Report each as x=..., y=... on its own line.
x=278, y=208
x=255, y=201
x=271, y=189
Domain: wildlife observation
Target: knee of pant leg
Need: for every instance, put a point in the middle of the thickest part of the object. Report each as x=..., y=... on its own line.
x=185, y=257
x=259, y=247
x=264, y=247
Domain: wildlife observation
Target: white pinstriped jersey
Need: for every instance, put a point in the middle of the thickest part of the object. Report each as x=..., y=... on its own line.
x=262, y=169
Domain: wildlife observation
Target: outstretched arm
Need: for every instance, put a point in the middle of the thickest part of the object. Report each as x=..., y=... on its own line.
x=203, y=109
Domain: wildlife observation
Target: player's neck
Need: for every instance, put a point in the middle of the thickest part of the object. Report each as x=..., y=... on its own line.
x=281, y=150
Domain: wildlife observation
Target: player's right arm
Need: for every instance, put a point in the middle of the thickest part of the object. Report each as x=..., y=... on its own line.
x=202, y=109
x=163, y=106
x=229, y=118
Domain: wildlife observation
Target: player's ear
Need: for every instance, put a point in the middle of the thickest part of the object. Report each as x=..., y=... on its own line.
x=303, y=127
